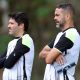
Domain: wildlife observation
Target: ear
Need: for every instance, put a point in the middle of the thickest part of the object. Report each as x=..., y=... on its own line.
x=21, y=25
x=68, y=16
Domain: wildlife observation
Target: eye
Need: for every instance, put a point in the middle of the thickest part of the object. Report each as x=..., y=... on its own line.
x=10, y=23
x=56, y=14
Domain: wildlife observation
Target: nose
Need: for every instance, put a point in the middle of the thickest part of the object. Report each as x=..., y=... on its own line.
x=54, y=17
x=8, y=25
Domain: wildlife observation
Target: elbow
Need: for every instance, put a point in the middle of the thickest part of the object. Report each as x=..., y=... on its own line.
x=47, y=62
x=39, y=55
x=8, y=66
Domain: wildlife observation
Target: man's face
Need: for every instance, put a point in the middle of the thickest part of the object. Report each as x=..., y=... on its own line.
x=13, y=27
x=59, y=17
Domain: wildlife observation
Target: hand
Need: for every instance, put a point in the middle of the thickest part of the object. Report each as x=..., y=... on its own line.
x=60, y=59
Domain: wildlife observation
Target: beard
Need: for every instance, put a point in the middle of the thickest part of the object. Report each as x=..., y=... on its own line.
x=58, y=25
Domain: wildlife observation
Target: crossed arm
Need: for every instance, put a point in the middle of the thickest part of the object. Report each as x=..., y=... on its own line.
x=50, y=55
x=19, y=51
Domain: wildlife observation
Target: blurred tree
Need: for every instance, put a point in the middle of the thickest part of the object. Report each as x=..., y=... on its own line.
x=4, y=15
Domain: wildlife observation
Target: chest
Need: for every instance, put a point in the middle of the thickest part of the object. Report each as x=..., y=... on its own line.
x=57, y=38
x=11, y=46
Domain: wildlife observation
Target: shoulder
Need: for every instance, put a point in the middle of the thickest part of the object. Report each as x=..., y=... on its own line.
x=27, y=37
x=13, y=41
x=72, y=31
x=72, y=34
x=27, y=40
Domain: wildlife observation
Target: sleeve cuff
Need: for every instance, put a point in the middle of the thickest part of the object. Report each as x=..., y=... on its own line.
x=58, y=50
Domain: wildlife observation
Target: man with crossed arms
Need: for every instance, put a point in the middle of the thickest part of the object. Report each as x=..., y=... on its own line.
x=61, y=55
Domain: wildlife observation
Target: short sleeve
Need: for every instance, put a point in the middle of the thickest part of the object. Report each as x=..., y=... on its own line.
x=26, y=40
x=64, y=43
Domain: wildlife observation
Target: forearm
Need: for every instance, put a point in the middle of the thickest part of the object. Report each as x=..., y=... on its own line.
x=52, y=55
x=14, y=57
x=2, y=59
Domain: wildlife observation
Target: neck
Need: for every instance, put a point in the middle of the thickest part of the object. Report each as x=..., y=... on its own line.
x=20, y=34
x=68, y=25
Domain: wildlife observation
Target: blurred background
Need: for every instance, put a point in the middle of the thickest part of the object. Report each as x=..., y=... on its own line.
x=42, y=27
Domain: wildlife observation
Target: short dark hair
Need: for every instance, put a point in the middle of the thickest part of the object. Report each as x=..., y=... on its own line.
x=67, y=6
x=20, y=17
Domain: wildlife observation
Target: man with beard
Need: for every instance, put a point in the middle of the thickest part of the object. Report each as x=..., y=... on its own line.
x=61, y=55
